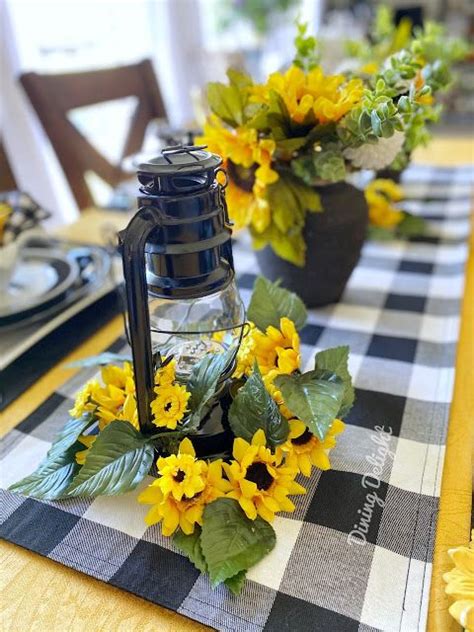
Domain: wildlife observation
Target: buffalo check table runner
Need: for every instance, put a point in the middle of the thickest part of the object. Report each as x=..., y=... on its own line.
x=357, y=552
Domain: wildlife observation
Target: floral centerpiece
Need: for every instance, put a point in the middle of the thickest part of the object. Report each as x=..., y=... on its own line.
x=218, y=511
x=289, y=146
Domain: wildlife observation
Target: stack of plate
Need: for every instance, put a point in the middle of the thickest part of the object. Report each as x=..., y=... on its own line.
x=52, y=282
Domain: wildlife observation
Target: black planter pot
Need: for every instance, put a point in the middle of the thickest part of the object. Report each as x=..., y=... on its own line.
x=390, y=174
x=334, y=240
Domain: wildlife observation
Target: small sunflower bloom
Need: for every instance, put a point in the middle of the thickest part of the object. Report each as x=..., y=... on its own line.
x=246, y=352
x=181, y=474
x=86, y=400
x=381, y=194
x=278, y=348
x=206, y=484
x=261, y=482
x=304, y=450
x=166, y=374
x=119, y=377
x=170, y=405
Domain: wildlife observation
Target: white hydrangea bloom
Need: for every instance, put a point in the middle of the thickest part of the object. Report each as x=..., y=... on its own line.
x=376, y=155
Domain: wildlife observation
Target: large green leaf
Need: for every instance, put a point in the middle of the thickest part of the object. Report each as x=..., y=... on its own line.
x=236, y=583
x=232, y=543
x=285, y=205
x=190, y=545
x=335, y=360
x=314, y=400
x=203, y=382
x=53, y=476
x=227, y=102
x=253, y=408
x=116, y=463
x=270, y=302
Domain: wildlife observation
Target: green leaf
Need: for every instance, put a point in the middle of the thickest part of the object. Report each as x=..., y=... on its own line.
x=411, y=226
x=290, y=247
x=227, y=102
x=116, y=463
x=239, y=78
x=53, y=476
x=335, y=360
x=236, y=583
x=203, y=382
x=190, y=545
x=314, y=400
x=232, y=543
x=253, y=408
x=269, y=303
x=99, y=360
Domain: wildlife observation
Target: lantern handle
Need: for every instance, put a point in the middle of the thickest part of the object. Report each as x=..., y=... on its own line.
x=132, y=241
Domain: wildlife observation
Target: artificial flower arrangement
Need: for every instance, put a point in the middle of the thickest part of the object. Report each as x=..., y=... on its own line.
x=460, y=584
x=417, y=66
x=218, y=512
x=302, y=129
x=387, y=219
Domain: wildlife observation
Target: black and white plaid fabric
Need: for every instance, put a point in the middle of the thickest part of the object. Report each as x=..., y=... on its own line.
x=26, y=214
x=356, y=554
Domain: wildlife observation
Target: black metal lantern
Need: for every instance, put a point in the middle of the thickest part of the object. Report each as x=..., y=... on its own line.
x=182, y=298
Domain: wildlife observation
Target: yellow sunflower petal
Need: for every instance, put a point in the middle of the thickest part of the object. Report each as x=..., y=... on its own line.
x=259, y=438
x=248, y=507
x=186, y=447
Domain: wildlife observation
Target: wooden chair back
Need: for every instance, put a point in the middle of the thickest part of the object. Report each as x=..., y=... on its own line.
x=53, y=96
x=7, y=179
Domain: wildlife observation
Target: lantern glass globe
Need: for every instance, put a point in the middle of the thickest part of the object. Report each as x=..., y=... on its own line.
x=190, y=329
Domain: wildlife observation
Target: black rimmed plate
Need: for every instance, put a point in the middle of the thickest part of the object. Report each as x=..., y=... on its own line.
x=41, y=279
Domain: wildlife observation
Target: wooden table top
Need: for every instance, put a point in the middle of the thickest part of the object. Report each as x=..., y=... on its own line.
x=40, y=594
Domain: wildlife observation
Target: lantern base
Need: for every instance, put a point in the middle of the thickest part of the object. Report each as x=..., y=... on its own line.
x=214, y=439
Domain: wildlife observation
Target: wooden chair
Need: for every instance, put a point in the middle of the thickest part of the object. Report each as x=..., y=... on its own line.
x=53, y=96
x=7, y=179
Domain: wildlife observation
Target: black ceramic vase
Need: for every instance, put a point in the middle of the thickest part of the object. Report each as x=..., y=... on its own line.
x=390, y=174
x=334, y=240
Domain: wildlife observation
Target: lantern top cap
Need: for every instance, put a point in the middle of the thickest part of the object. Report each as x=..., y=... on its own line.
x=181, y=159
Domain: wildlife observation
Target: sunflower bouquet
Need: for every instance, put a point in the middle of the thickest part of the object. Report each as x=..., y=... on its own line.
x=218, y=511
x=284, y=139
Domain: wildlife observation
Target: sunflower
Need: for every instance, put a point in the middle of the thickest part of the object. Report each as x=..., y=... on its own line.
x=278, y=349
x=304, y=450
x=460, y=584
x=170, y=405
x=246, y=352
x=242, y=146
x=166, y=374
x=381, y=195
x=85, y=400
x=325, y=98
x=185, y=487
x=260, y=482
x=120, y=377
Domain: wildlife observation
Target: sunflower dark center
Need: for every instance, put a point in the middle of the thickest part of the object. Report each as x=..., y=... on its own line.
x=258, y=474
x=302, y=439
x=179, y=476
x=168, y=406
